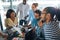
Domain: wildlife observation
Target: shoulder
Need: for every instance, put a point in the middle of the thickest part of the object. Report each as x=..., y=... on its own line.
x=19, y=4
x=34, y=20
x=7, y=19
x=27, y=4
x=44, y=23
x=16, y=18
x=30, y=10
x=55, y=23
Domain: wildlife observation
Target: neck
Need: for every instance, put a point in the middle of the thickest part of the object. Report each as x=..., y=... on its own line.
x=13, y=18
x=47, y=21
x=35, y=9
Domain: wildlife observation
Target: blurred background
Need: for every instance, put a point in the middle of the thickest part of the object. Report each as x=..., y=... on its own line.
x=7, y=4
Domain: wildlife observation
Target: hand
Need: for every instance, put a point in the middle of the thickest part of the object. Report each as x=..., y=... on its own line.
x=40, y=23
x=0, y=34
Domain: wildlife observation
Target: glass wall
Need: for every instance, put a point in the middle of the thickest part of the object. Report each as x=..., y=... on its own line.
x=7, y=4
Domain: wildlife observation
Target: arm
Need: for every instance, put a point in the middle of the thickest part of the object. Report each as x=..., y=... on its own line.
x=8, y=23
x=27, y=10
x=33, y=23
x=17, y=10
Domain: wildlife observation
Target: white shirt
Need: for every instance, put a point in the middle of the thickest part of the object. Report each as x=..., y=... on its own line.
x=23, y=10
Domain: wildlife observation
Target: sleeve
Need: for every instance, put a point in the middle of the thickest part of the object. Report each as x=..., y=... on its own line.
x=56, y=30
x=8, y=23
x=27, y=9
x=29, y=16
x=33, y=23
x=17, y=10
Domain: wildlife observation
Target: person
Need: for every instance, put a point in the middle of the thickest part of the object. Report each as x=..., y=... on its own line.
x=40, y=24
x=35, y=32
x=31, y=12
x=10, y=22
x=34, y=23
x=23, y=9
x=50, y=26
x=11, y=19
x=58, y=16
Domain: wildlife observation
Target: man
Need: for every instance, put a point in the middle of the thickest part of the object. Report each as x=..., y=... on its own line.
x=35, y=21
x=31, y=35
x=23, y=9
x=37, y=15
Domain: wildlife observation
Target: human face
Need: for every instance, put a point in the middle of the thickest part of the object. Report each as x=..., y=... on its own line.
x=43, y=15
x=37, y=16
x=44, y=11
x=33, y=7
x=24, y=2
x=12, y=15
x=48, y=16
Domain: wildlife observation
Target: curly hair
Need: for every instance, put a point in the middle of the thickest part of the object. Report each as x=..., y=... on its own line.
x=9, y=13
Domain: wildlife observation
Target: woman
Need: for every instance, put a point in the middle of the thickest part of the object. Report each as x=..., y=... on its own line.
x=51, y=27
x=10, y=22
x=31, y=12
x=40, y=24
x=11, y=19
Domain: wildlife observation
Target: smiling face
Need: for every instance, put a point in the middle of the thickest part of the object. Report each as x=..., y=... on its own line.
x=33, y=7
x=48, y=17
x=12, y=15
x=37, y=16
x=43, y=15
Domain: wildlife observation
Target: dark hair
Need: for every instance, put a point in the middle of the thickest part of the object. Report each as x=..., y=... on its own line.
x=58, y=14
x=9, y=13
x=52, y=11
x=36, y=4
x=38, y=12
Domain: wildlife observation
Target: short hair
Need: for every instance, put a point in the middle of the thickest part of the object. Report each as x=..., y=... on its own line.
x=36, y=4
x=9, y=13
x=38, y=12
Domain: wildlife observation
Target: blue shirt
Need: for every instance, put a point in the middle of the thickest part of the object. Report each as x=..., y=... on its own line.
x=31, y=15
x=35, y=25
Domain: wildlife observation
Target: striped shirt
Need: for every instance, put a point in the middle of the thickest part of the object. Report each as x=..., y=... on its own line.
x=51, y=31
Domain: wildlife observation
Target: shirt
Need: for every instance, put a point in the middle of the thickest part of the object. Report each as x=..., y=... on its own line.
x=31, y=15
x=51, y=31
x=10, y=23
x=23, y=10
x=35, y=25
